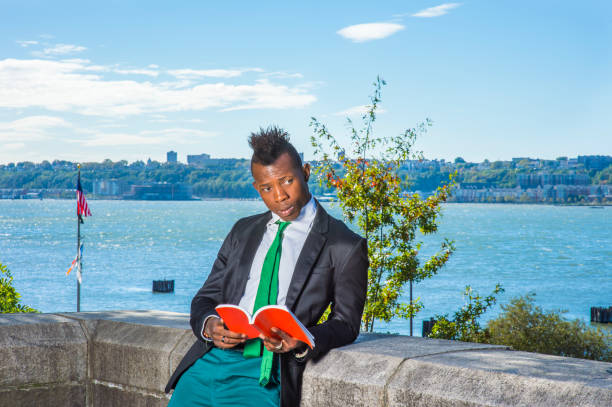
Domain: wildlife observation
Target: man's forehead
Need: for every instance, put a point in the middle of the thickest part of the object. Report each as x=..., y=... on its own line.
x=281, y=168
x=269, y=173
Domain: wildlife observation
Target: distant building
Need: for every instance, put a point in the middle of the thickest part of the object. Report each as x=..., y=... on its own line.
x=421, y=165
x=542, y=179
x=171, y=157
x=595, y=162
x=109, y=187
x=198, y=160
x=160, y=192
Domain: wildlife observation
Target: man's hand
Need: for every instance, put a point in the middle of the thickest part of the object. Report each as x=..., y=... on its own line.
x=222, y=338
x=285, y=344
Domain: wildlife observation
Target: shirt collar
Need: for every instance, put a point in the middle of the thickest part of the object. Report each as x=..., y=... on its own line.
x=304, y=219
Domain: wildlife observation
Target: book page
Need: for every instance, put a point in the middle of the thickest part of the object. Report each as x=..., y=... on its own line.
x=280, y=317
x=237, y=319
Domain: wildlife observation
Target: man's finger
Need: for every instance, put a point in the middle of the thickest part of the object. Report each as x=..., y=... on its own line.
x=221, y=331
x=284, y=336
x=274, y=346
x=231, y=334
x=290, y=340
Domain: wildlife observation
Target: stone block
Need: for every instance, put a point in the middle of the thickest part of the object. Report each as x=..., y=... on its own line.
x=500, y=378
x=38, y=349
x=132, y=354
x=70, y=395
x=113, y=396
x=345, y=378
x=181, y=348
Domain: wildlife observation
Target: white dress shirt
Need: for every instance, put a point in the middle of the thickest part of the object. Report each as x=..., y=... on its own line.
x=294, y=237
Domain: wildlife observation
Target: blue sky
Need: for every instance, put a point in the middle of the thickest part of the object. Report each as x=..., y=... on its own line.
x=132, y=80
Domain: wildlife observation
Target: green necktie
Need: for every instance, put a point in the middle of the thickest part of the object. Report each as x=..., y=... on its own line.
x=267, y=293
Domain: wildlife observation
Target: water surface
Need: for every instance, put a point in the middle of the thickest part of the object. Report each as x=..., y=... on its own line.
x=561, y=253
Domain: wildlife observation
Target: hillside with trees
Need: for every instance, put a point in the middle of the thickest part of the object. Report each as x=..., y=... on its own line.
x=519, y=180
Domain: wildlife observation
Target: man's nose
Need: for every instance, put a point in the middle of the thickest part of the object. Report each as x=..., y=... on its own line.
x=280, y=194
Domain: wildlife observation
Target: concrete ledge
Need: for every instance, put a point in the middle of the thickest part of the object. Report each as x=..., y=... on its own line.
x=403, y=371
x=360, y=373
x=124, y=358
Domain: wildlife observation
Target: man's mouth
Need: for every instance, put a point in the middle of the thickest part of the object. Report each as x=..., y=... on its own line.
x=283, y=213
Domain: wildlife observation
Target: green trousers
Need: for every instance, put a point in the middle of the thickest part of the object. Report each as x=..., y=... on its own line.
x=225, y=378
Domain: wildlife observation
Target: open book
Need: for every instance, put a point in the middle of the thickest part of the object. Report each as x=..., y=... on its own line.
x=237, y=319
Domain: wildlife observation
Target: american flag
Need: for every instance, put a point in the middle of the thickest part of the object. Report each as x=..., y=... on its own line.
x=82, y=208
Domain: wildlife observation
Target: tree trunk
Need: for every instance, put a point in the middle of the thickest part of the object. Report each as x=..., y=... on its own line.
x=411, y=307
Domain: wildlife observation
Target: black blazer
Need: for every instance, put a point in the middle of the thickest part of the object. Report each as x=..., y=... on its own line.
x=331, y=269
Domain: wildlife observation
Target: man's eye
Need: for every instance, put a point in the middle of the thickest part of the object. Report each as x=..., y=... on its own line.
x=289, y=181
x=266, y=189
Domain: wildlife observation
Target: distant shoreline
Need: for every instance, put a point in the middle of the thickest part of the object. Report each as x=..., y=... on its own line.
x=196, y=199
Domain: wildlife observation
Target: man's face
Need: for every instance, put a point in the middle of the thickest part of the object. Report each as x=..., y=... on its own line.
x=282, y=186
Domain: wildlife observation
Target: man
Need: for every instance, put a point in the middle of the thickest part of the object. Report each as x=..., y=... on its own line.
x=296, y=255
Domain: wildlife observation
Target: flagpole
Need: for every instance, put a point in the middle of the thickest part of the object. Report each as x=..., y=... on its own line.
x=78, y=249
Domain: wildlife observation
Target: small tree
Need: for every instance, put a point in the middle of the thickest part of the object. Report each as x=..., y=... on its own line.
x=9, y=297
x=370, y=192
x=464, y=325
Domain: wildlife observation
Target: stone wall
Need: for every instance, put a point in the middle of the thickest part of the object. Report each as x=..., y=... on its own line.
x=124, y=358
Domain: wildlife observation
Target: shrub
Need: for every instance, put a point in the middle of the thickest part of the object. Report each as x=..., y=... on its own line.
x=9, y=297
x=525, y=326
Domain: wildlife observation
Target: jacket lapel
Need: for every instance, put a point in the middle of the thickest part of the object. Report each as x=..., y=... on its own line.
x=255, y=234
x=310, y=253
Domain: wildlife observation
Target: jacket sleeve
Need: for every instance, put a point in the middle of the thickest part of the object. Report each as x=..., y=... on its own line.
x=211, y=294
x=349, y=295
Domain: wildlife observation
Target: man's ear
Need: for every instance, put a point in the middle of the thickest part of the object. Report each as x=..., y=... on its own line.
x=306, y=171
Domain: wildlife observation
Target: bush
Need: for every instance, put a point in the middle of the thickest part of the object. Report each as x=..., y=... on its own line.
x=527, y=327
x=464, y=325
x=9, y=298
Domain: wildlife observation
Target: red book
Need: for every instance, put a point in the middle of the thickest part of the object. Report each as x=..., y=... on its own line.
x=237, y=319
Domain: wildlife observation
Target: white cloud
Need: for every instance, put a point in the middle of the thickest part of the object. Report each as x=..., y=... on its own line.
x=119, y=139
x=60, y=49
x=181, y=135
x=26, y=44
x=213, y=73
x=147, y=72
x=149, y=137
x=153, y=66
x=358, y=111
x=210, y=73
x=13, y=146
x=283, y=75
x=35, y=123
x=80, y=87
x=369, y=31
x=436, y=11
x=263, y=94
x=30, y=128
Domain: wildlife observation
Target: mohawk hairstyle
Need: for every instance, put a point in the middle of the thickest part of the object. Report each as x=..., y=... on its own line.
x=269, y=144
